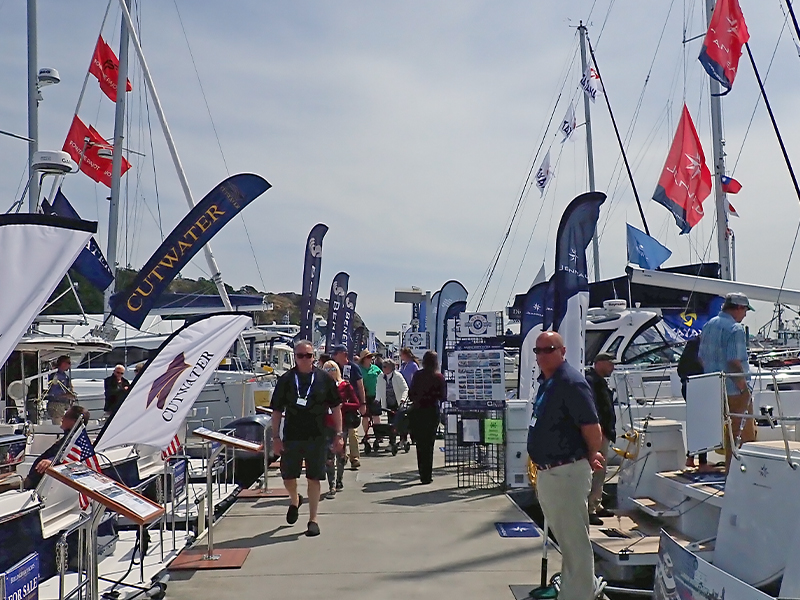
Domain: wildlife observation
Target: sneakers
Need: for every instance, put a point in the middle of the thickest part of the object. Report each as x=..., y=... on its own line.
x=603, y=512
x=594, y=519
x=331, y=493
x=294, y=511
x=339, y=486
x=313, y=529
x=355, y=463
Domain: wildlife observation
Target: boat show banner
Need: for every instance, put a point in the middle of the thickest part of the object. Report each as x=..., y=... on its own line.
x=681, y=574
x=452, y=291
x=90, y=262
x=311, y=272
x=335, y=302
x=531, y=325
x=345, y=321
x=571, y=278
x=36, y=251
x=162, y=395
x=197, y=228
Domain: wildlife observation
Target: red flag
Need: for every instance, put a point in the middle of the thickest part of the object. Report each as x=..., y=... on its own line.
x=730, y=185
x=105, y=67
x=173, y=448
x=722, y=47
x=83, y=145
x=685, y=181
x=732, y=211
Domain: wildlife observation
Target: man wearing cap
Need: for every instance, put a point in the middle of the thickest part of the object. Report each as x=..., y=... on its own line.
x=351, y=373
x=603, y=402
x=723, y=347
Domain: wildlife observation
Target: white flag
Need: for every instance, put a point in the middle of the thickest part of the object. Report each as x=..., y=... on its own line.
x=544, y=174
x=163, y=393
x=568, y=123
x=590, y=82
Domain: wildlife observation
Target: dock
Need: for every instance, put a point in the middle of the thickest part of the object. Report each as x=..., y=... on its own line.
x=384, y=536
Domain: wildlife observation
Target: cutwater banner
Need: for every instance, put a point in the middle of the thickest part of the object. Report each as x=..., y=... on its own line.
x=532, y=324
x=335, y=303
x=571, y=278
x=346, y=321
x=311, y=271
x=36, y=251
x=21, y=582
x=218, y=207
x=162, y=395
x=452, y=291
x=90, y=262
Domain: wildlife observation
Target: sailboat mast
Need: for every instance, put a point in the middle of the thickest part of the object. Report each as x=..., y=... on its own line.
x=723, y=244
x=589, y=150
x=33, y=106
x=116, y=165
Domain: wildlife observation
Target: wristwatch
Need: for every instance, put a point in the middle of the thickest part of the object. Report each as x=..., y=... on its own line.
x=340, y=434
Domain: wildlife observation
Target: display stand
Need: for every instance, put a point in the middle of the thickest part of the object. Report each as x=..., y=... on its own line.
x=223, y=558
x=263, y=490
x=112, y=495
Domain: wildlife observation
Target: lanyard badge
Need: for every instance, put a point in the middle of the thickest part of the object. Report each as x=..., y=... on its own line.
x=302, y=400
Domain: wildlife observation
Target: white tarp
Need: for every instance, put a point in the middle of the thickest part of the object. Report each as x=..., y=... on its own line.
x=35, y=253
x=163, y=394
x=704, y=415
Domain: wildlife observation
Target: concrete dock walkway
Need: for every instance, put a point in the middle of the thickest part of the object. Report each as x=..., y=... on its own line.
x=384, y=536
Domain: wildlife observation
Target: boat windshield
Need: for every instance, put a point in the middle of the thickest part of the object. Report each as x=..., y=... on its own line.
x=651, y=347
x=594, y=341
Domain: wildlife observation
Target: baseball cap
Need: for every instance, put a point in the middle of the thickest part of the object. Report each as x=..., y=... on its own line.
x=737, y=299
x=338, y=348
x=605, y=356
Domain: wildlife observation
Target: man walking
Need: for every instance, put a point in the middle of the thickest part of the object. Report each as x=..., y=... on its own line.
x=303, y=397
x=604, y=404
x=564, y=440
x=351, y=373
x=723, y=347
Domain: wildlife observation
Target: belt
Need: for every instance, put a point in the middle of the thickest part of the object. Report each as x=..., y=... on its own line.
x=558, y=463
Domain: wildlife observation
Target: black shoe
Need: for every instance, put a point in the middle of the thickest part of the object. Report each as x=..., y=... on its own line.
x=604, y=512
x=339, y=486
x=313, y=529
x=294, y=511
x=594, y=519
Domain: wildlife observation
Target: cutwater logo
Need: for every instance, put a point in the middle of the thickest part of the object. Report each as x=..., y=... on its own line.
x=173, y=406
x=162, y=386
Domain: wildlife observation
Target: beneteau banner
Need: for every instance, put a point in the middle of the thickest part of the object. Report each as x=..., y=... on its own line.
x=35, y=253
x=452, y=291
x=571, y=279
x=345, y=321
x=311, y=269
x=197, y=228
x=163, y=393
x=335, y=302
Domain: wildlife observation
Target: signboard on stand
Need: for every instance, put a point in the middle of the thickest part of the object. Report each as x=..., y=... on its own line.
x=418, y=341
x=21, y=582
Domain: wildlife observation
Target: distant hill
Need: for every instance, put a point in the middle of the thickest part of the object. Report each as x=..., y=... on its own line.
x=92, y=299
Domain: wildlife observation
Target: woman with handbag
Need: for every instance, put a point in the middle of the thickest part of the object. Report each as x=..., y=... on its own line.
x=350, y=420
x=428, y=389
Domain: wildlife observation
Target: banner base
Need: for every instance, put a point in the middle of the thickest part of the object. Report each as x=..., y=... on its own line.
x=197, y=559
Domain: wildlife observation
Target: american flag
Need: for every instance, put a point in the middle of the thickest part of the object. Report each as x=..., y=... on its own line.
x=83, y=451
x=173, y=448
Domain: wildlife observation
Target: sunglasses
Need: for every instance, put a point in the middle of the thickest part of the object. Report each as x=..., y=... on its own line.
x=547, y=350
x=304, y=355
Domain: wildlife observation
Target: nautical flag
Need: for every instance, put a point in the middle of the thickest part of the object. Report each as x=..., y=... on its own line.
x=311, y=271
x=732, y=211
x=544, y=174
x=590, y=83
x=644, y=250
x=105, y=67
x=722, y=47
x=172, y=449
x=730, y=185
x=82, y=451
x=571, y=300
x=568, y=123
x=685, y=181
x=84, y=144
x=90, y=262
x=335, y=303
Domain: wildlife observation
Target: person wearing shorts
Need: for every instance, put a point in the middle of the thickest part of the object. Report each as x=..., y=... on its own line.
x=303, y=396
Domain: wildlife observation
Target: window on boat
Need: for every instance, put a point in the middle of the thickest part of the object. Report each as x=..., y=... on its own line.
x=594, y=341
x=650, y=347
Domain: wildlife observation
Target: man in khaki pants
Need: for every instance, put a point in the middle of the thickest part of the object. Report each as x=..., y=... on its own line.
x=564, y=441
x=723, y=347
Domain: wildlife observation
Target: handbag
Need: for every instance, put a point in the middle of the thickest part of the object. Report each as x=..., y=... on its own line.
x=351, y=419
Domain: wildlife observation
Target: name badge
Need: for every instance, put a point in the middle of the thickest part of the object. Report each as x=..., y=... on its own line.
x=302, y=402
x=533, y=421
x=346, y=371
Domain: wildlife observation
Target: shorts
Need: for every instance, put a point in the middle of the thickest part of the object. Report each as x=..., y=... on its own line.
x=56, y=411
x=314, y=452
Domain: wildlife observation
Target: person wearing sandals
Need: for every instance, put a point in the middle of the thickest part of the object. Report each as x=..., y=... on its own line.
x=303, y=397
x=350, y=415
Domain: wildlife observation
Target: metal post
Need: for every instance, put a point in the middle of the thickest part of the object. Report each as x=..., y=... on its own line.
x=719, y=168
x=142, y=531
x=209, y=490
x=164, y=503
x=733, y=254
x=33, y=106
x=265, y=487
x=116, y=163
x=589, y=151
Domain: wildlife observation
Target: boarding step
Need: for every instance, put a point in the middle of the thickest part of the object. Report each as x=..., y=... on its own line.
x=654, y=508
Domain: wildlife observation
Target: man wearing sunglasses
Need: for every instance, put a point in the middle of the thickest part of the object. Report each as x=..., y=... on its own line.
x=302, y=398
x=564, y=440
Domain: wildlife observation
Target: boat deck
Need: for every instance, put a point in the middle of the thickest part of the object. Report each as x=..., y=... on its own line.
x=384, y=536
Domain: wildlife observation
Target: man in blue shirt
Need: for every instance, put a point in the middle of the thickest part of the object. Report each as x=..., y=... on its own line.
x=723, y=347
x=564, y=440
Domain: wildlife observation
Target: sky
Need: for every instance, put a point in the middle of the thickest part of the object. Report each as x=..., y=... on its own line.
x=410, y=128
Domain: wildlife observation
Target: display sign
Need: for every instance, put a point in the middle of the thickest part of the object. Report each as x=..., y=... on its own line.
x=178, y=477
x=418, y=341
x=228, y=440
x=493, y=431
x=106, y=491
x=478, y=324
x=517, y=529
x=21, y=582
x=480, y=375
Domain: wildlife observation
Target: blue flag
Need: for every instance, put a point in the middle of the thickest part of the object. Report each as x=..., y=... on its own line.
x=644, y=250
x=311, y=269
x=196, y=229
x=90, y=262
x=535, y=307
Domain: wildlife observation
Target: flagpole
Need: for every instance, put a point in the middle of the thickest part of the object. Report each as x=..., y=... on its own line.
x=721, y=200
x=589, y=151
x=33, y=107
